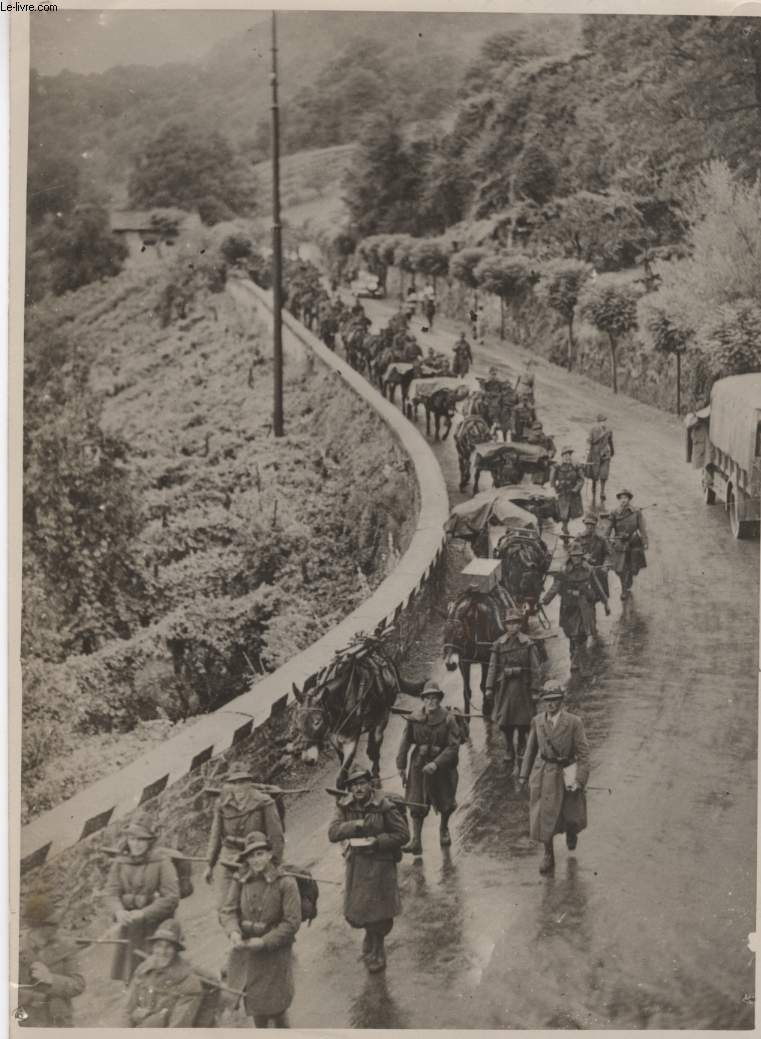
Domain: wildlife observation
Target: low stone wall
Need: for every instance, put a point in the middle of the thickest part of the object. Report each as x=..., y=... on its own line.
x=254, y=722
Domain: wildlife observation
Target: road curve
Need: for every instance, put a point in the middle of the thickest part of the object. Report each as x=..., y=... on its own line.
x=647, y=924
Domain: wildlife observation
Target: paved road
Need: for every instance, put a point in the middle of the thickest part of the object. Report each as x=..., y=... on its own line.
x=646, y=925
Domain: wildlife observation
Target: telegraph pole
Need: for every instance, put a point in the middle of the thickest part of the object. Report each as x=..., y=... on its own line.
x=277, y=248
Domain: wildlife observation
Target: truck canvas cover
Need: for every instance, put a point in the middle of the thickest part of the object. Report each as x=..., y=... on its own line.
x=735, y=414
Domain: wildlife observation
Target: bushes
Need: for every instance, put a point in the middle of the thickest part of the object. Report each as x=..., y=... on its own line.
x=560, y=285
x=612, y=308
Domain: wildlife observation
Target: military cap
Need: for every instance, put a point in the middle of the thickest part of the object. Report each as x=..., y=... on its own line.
x=590, y=518
x=142, y=827
x=625, y=493
x=513, y=617
x=255, y=841
x=168, y=931
x=39, y=910
x=431, y=689
x=238, y=770
x=552, y=691
x=358, y=774
x=567, y=451
x=602, y=418
x=576, y=550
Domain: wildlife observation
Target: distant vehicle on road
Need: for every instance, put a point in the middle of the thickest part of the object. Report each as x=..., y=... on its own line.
x=368, y=285
x=724, y=440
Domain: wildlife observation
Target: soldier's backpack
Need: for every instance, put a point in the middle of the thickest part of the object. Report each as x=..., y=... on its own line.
x=309, y=891
x=184, y=871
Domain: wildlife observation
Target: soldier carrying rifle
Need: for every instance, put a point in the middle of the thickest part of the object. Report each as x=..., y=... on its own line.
x=627, y=533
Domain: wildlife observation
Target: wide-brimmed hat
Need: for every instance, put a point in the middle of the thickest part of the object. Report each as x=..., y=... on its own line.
x=168, y=931
x=255, y=841
x=625, y=493
x=431, y=689
x=513, y=617
x=552, y=691
x=590, y=518
x=358, y=774
x=142, y=827
x=238, y=770
x=39, y=910
x=567, y=451
x=601, y=417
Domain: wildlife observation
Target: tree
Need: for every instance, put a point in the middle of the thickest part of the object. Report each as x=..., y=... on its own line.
x=463, y=265
x=731, y=342
x=193, y=170
x=508, y=276
x=560, y=285
x=612, y=308
x=535, y=174
x=666, y=334
x=605, y=230
x=430, y=257
x=80, y=248
x=383, y=182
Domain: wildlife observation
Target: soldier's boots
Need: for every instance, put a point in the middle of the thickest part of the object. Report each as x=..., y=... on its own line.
x=548, y=862
x=445, y=839
x=571, y=838
x=367, y=945
x=415, y=847
x=488, y=705
x=376, y=961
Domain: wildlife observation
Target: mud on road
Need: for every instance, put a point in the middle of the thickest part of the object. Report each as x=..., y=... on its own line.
x=647, y=923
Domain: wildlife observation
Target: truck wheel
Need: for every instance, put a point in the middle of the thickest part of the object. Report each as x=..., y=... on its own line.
x=740, y=528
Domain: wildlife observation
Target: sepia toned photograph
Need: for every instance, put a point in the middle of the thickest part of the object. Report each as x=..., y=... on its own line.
x=388, y=437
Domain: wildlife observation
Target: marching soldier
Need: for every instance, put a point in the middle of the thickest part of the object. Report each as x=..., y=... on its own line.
x=515, y=673
x=568, y=483
x=433, y=736
x=627, y=533
x=539, y=438
x=262, y=915
x=463, y=356
x=600, y=452
x=374, y=830
x=556, y=766
x=578, y=596
x=241, y=809
x=596, y=553
x=48, y=974
x=165, y=992
x=142, y=892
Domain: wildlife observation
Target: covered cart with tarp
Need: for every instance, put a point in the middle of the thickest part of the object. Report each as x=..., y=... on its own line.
x=541, y=502
x=485, y=518
x=509, y=463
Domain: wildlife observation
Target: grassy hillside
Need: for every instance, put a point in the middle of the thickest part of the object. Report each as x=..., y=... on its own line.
x=247, y=548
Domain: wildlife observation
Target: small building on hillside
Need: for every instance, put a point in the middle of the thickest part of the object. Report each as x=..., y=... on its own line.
x=148, y=234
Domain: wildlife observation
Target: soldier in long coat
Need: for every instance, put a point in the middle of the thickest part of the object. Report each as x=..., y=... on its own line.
x=262, y=915
x=600, y=452
x=538, y=438
x=596, y=553
x=241, y=809
x=575, y=586
x=142, y=891
x=557, y=800
x=627, y=533
x=164, y=991
x=374, y=830
x=463, y=356
x=568, y=483
x=433, y=736
x=515, y=675
x=49, y=977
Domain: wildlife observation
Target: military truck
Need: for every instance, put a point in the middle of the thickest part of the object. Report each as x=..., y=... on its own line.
x=724, y=442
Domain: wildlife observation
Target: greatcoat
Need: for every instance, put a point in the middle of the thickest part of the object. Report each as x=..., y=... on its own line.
x=577, y=599
x=513, y=702
x=148, y=884
x=167, y=997
x=600, y=452
x=268, y=906
x=240, y=811
x=433, y=738
x=552, y=808
x=568, y=483
x=371, y=894
x=49, y=1005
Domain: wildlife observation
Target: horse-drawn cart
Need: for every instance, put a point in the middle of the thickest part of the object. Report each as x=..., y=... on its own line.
x=541, y=502
x=509, y=463
x=484, y=518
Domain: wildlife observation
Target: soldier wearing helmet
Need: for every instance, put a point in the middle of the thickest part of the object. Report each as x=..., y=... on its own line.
x=515, y=674
x=600, y=441
x=627, y=533
x=575, y=586
x=165, y=992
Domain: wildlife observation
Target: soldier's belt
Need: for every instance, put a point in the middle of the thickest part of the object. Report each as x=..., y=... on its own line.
x=234, y=842
x=562, y=762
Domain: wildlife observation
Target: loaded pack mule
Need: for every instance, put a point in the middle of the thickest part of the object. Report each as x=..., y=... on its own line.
x=352, y=696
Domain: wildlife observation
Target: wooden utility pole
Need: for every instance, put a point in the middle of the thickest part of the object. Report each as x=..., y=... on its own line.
x=277, y=248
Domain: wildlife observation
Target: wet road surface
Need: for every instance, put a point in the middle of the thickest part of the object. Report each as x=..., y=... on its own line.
x=647, y=923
